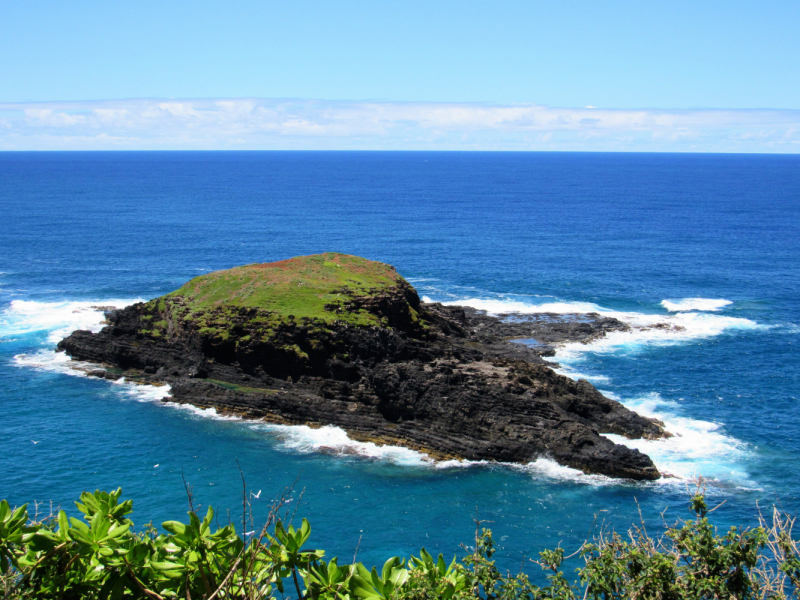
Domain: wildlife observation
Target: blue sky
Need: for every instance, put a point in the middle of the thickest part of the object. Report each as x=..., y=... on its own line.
x=725, y=60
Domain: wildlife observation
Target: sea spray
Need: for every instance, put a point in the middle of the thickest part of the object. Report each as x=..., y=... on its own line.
x=702, y=304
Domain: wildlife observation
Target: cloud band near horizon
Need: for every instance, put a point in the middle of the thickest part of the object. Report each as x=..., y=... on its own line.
x=265, y=124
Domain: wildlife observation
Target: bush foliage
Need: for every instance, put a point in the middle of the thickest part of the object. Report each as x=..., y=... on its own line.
x=101, y=557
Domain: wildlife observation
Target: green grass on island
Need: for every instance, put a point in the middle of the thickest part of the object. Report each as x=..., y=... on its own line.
x=320, y=287
x=300, y=287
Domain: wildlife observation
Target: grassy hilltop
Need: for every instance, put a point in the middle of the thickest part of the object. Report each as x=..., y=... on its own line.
x=300, y=287
x=317, y=290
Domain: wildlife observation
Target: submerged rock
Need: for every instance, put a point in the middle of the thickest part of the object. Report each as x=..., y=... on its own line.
x=338, y=339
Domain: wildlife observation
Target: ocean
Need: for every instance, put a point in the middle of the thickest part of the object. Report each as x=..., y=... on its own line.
x=707, y=244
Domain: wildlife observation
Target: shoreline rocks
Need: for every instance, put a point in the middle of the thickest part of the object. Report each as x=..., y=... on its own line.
x=385, y=367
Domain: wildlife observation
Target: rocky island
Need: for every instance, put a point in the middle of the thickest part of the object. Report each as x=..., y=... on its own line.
x=341, y=340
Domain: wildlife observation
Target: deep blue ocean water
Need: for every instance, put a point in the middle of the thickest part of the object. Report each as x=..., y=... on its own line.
x=705, y=246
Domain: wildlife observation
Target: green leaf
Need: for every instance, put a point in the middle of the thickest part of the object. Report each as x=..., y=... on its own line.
x=399, y=578
x=90, y=504
x=79, y=525
x=63, y=522
x=426, y=557
x=194, y=524
x=377, y=582
x=207, y=521
x=5, y=510
x=118, y=590
x=305, y=531
x=175, y=527
x=167, y=566
x=117, y=531
x=80, y=536
x=447, y=593
x=366, y=593
x=20, y=514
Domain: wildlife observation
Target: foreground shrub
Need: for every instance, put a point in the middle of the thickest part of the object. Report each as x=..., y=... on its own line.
x=101, y=557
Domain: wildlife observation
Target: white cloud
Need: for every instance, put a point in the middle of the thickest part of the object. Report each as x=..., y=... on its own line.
x=49, y=117
x=315, y=124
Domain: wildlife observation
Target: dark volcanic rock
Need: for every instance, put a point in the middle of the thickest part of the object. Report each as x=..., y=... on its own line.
x=444, y=380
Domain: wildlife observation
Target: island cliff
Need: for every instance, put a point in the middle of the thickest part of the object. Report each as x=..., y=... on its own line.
x=337, y=339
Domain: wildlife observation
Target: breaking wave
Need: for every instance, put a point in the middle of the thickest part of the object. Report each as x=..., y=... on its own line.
x=697, y=449
x=643, y=329
x=57, y=319
x=334, y=440
x=701, y=304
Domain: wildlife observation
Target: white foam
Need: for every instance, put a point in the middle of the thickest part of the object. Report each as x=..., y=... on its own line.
x=205, y=413
x=541, y=468
x=59, y=362
x=504, y=306
x=655, y=330
x=334, y=440
x=701, y=304
x=700, y=448
x=461, y=464
x=142, y=392
x=50, y=360
x=545, y=468
x=788, y=328
x=568, y=371
x=58, y=319
x=697, y=449
x=644, y=329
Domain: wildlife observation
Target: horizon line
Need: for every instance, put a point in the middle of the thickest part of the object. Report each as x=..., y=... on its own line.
x=216, y=124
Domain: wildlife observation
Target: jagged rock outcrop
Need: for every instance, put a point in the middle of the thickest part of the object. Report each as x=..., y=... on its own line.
x=335, y=339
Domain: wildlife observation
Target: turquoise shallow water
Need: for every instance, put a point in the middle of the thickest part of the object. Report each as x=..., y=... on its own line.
x=705, y=244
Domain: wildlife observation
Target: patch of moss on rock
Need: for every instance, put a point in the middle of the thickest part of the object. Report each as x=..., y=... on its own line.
x=241, y=388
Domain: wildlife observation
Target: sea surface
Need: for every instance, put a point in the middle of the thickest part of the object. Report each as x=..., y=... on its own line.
x=707, y=244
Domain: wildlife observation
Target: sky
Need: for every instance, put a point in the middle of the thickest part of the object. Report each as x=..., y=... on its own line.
x=500, y=75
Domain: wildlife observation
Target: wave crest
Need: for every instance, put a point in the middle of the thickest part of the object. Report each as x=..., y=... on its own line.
x=644, y=329
x=701, y=304
x=58, y=319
